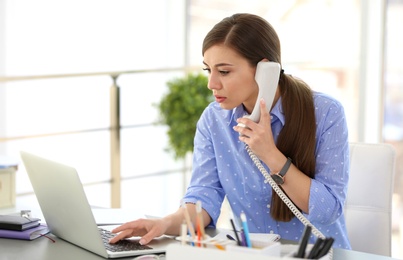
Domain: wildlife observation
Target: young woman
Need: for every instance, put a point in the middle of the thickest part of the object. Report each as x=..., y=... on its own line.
x=304, y=137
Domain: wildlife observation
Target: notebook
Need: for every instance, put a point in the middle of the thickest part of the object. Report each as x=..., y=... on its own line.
x=67, y=212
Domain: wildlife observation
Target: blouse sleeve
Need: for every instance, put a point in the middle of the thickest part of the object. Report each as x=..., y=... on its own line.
x=205, y=184
x=329, y=186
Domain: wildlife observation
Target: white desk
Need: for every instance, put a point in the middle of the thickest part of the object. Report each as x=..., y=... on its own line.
x=44, y=249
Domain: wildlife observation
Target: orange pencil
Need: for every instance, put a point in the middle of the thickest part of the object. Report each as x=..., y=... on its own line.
x=198, y=232
x=200, y=219
x=200, y=222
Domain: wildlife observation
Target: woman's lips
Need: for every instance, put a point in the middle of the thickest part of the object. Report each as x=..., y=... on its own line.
x=220, y=99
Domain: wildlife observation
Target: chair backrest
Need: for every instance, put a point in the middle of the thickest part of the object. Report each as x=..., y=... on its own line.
x=368, y=208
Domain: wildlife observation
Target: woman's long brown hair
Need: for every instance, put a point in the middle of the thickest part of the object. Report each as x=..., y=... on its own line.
x=254, y=39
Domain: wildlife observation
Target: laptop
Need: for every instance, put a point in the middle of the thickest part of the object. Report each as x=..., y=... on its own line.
x=68, y=214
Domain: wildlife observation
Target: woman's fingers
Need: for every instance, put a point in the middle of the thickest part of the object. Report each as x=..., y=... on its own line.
x=147, y=228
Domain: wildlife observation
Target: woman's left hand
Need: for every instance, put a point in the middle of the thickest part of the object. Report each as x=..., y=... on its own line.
x=258, y=136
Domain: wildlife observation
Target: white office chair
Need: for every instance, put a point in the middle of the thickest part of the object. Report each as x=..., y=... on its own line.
x=368, y=209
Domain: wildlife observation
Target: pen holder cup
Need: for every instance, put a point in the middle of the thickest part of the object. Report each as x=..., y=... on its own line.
x=269, y=249
x=274, y=249
x=233, y=252
x=259, y=246
x=208, y=242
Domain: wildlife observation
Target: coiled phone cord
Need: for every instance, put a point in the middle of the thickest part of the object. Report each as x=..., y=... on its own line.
x=284, y=197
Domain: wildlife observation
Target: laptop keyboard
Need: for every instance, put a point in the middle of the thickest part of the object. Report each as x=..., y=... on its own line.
x=122, y=245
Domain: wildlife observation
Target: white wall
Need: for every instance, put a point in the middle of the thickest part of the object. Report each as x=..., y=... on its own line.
x=2, y=71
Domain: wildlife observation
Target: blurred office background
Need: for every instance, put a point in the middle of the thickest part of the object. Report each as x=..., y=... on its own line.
x=62, y=64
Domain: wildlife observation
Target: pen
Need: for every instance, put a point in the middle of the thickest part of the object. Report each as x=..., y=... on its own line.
x=235, y=232
x=246, y=230
x=189, y=222
x=243, y=238
x=316, y=247
x=230, y=237
x=325, y=248
x=304, y=242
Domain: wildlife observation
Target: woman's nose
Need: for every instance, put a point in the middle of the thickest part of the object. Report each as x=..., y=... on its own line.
x=213, y=82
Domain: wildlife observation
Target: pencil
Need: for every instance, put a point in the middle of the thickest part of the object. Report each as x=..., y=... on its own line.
x=198, y=233
x=200, y=219
x=189, y=222
x=183, y=233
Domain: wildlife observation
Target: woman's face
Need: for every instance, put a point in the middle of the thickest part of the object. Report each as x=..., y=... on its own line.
x=231, y=78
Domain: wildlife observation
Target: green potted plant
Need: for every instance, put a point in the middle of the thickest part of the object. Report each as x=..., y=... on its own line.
x=180, y=109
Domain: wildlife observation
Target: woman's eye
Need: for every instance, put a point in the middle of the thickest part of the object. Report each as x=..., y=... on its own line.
x=207, y=70
x=222, y=72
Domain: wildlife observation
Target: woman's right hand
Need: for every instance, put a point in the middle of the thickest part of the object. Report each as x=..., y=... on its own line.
x=147, y=229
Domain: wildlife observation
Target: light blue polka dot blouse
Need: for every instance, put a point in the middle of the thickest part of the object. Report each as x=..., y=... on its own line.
x=222, y=167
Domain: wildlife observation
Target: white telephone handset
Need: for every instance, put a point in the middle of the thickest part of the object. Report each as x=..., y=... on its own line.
x=267, y=76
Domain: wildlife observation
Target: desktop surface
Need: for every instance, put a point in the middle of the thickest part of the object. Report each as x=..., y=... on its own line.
x=44, y=248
